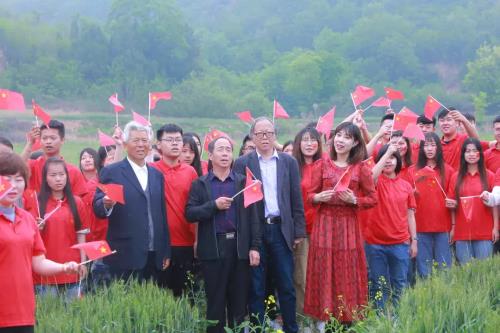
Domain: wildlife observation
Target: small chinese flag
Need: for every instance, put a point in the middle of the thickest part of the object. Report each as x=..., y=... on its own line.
x=382, y=102
x=140, y=119
x=394, y=94
x=404, y=118
x=245, y=116
x=38, y=112
x=253, y=190
x=94, y=250
x=154, y=97
x=5, y=186
x=431, y=107
x=11, y=100
x=413, y=131
x=369, y=162
x=113, y=191
x=325, y=123
x=212, y=135
x=343, y=183
x=113, y=99
x=279, y=111
x=361, y=94
x=467, y=205
x=105, y=140
x=425, y=172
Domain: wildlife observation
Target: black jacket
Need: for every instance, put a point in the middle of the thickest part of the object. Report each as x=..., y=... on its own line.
x=289, y=193
x=128, y=228
x=201, y=208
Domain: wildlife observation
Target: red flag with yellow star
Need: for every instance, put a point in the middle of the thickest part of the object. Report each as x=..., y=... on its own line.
x=325, y=123
x=253, y=190
x=245, y=116
x=154, y=97
x=40, y=113
x=94, y=250
x=369, y=162
x=11, y=100
x=394, y=94
x=468, y=204
x=404, y=118
x=361, y=94
x=212, y=135
x=279, y=111
x=431, y=107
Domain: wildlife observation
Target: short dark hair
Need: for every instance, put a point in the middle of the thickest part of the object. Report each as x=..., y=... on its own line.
x=422, y=119
x=470, y=117
x=496, y=120
x=386, y=117
x=357, y=153
x=6, y=142
x=211, y=145
x=55, y=124
x=288, y=143
x=103, y=154
x=444, y=112
x=399, y=162
x=407, y=158
x=168, y=128
x=11, y=164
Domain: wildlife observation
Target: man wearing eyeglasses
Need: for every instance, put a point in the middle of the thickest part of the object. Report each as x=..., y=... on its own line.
x=282, y=216
x=178, y=178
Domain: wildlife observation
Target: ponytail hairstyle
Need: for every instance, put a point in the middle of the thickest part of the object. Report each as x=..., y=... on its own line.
x=46, y=192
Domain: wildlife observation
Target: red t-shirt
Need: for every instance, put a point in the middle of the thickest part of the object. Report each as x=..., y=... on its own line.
x=78, y=184
x=98, y=226
x=58, y=236
x=19, y=243
x=178, y=181
x=310, y=210
x=204, y=167
x=480, y=225
x=431, y=214
x=497, y=178
x=388, y=221
x=451, y=150
x=492, y=159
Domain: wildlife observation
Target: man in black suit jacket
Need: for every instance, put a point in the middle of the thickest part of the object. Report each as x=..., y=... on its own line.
x=229, y=236
x=138, y=229
x=281, y=215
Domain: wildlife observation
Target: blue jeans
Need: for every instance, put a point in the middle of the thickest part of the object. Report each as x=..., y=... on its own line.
x=276, y=256
x=433, y=247
x=69, y=290
x=388, y=271
x=479, y=249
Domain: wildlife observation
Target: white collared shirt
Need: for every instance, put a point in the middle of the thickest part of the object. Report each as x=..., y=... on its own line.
x=268, y=171
x=141, y=172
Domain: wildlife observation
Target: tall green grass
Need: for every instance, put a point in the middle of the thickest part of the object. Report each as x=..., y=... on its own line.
x=123, y=307
x=462, y=299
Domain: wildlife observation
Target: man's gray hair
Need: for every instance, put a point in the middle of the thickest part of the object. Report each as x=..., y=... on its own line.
x=135, y=126
x=258, y=120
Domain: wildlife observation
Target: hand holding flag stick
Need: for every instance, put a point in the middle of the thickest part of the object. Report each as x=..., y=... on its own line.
x=255, y=181
x=49, y=214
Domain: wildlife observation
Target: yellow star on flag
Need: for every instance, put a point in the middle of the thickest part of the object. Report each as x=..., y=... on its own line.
x=4, y=95
x=103, y=249
x=2, y=187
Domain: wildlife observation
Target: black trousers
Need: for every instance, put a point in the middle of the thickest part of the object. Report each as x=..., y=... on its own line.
x=227, y=281
x=148, y=272
x=175, y=276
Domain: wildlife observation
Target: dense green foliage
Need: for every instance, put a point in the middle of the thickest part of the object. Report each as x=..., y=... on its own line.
x=223, y=56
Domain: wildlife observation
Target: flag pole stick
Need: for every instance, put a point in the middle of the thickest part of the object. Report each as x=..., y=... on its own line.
x=47, y=216
x=116, y=113
x=471, y=196
x=440, y=187
x=37, y=205
x=352, y=99
x=36, y=120
x=274, y=109
x=246, y=188
x=90, y=260
x=440, y=103
x=149, y=107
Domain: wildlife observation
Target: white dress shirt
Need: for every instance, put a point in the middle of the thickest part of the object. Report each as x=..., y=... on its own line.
x=268, y=171
x=141, y=172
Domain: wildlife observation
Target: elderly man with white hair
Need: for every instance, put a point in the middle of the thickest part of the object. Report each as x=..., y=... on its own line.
x=137, y=229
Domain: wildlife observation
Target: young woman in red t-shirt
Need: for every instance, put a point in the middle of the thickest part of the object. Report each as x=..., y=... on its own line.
x=391, y=237
x=404, y=149
x=21, y=252
x=474, y=225
x=432, y=217
x=306, y=150
x=65, y=224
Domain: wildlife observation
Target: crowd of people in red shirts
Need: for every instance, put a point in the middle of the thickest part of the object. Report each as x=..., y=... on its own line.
x=345, y=220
